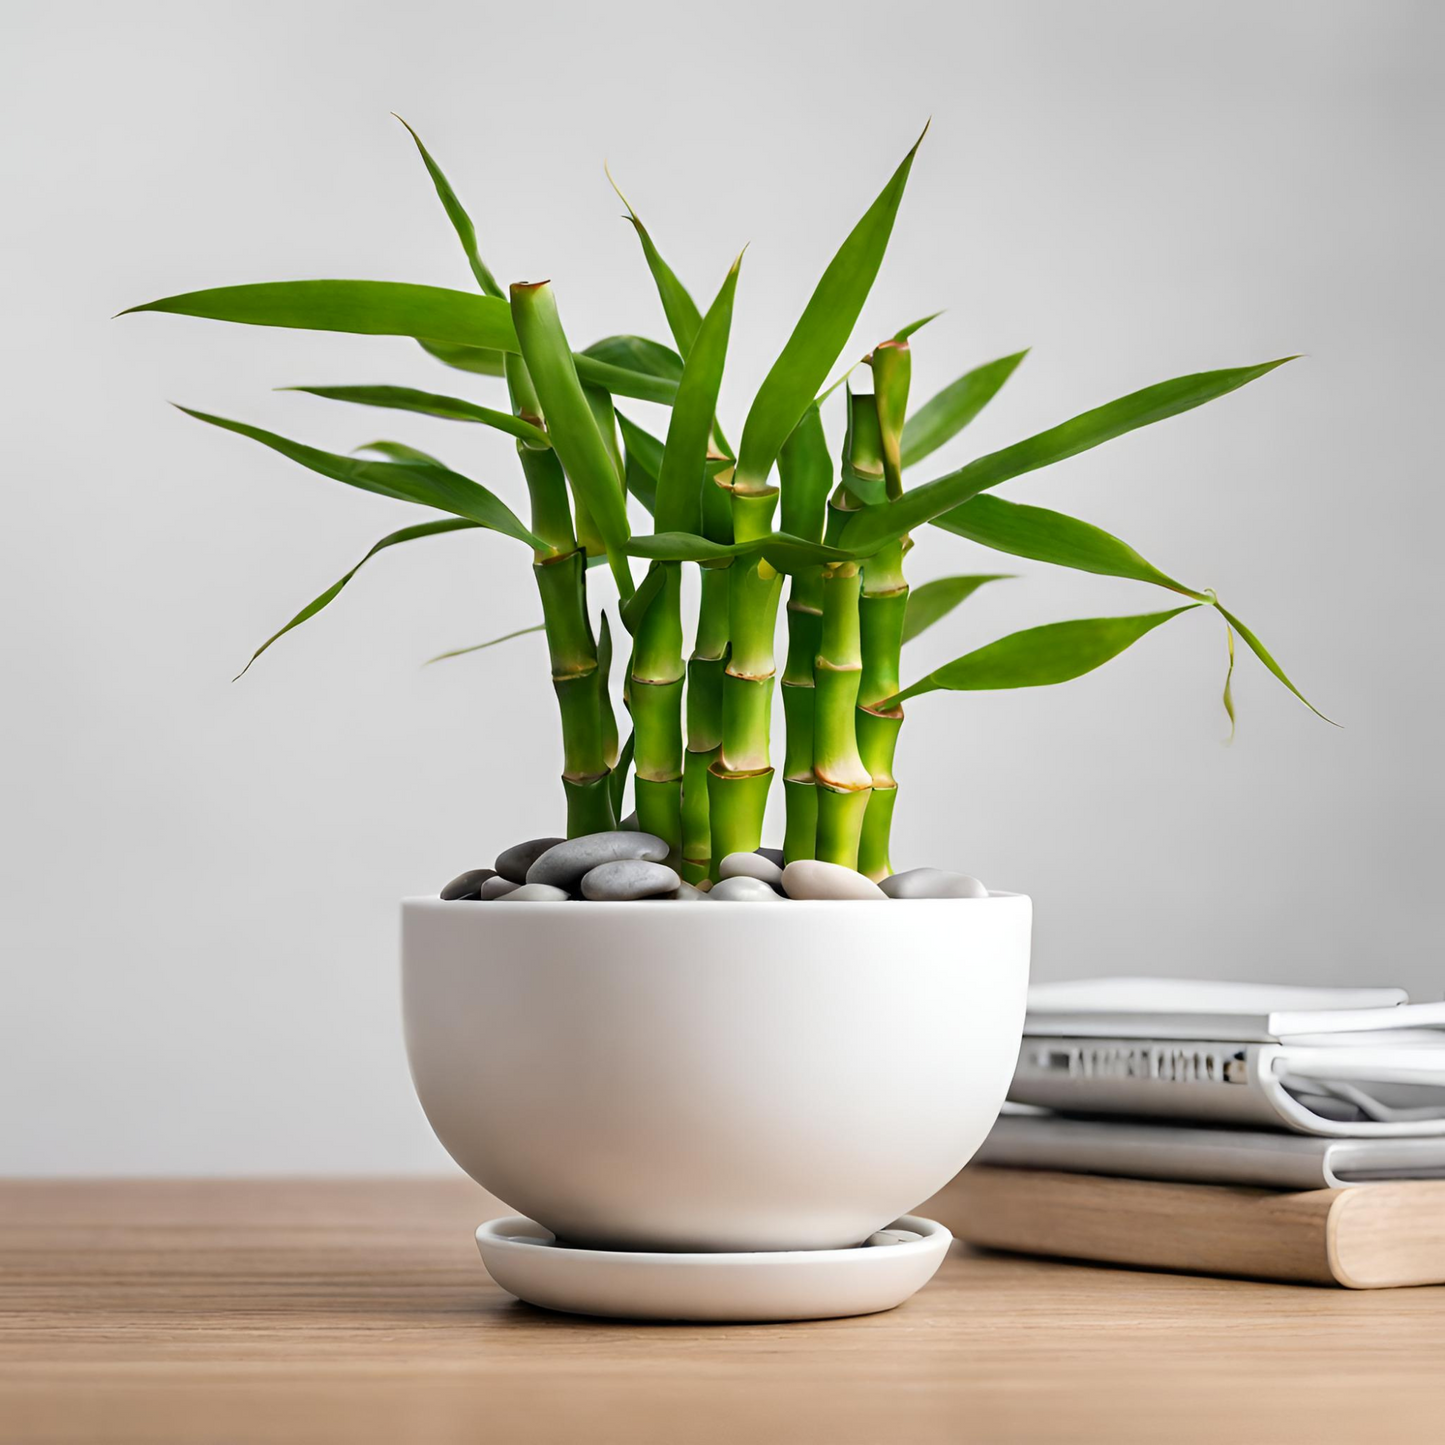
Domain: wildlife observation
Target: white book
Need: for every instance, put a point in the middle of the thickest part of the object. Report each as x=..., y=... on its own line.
x=1261, y=1158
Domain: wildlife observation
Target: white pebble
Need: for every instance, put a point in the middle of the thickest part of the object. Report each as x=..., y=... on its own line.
x=812, y=878
x=894, y=1236
x=535, y=893
x=743, y=890
x=933, y=883
x=750, y=865
x=498, y=888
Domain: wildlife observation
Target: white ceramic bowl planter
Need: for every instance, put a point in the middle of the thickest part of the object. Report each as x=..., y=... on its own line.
x=722, y=1077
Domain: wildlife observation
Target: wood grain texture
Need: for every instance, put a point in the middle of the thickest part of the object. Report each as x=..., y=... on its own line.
x=358, y=1311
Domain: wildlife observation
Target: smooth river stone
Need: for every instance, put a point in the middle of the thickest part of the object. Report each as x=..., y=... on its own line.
x=498, y=888
x=468, y=884
x=627, y=879
x=743, y=890
x=932, y=883
x=536, y=893
x=686, y=893
x=750, y=865
x=513, y=864
x=566, y=864
x=812, y=878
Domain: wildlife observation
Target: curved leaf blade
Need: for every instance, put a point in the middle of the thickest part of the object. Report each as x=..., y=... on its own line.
x=933, y=601
x=785, y=552
x=428, y=403
x=406, y=534
x=876, y=525
x=1041, y=656
x=820, y=335
x=457, y=215
x=400, y=452
x=425, y=484
x=366, y=308
x=622, y=381
x=1262, y=653
x=942, y=417
x=476, y=359
x=805, y=477
x=683, y=467
x=480, y=646
x=683, y=316
x=637, y=353
x=903, y=333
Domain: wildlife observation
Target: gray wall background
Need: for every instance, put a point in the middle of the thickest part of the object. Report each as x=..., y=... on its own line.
x=200, y=878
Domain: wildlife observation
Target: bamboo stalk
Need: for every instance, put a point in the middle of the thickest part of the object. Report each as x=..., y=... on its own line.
x=705, y=688
x=882, y=609
x=843, y=782
x=656, y=700
x=738, y=781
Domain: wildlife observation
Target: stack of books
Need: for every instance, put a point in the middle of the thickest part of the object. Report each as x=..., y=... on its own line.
x=1248, y=1129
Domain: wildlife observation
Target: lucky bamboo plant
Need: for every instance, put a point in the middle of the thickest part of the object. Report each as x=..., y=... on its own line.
x=774, y=512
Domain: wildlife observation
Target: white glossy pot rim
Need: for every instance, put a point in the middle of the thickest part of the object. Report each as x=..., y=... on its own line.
x=429, y=900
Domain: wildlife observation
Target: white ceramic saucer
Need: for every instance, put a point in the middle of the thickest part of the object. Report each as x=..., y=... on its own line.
x=805, y=1284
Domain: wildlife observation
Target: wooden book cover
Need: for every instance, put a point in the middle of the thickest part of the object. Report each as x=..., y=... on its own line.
x=1367, y=1236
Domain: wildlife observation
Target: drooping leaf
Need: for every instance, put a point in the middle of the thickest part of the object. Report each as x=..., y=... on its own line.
x=406, y=534
x=457, y=215
x=617, y=779
x=683, y=316
x=428, y=485
x=621, y=381
x=1041, y=656
x=941, y=418
x=427, y=403
x=1262, y=653
x=684, y=458
x=368, y=308
x=575, y=437
x=1229, y=682
x=876, y=525
x=479, y=646
x=637, y=353
x=820, y=335
x=479, y=360
x=933, y=601
x=1054, y=537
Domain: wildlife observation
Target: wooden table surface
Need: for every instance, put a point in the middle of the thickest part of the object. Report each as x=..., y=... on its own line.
x=358, y=1311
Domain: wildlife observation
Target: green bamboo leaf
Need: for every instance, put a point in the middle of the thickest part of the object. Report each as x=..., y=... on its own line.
x=479, y=646
x=637, y=353
x=427, y=485
x=622, y=381
x=907, y=331
x=1063, y=541
x=427, y=403
x=684, y=458
x=457, y=215
x=479, y=360
x=942, y=418
x=617, y=779
x=400, y=452
x=820, y=335
x=1229, y=682
x=683, y=316
x=575, y=438
x=785, y=552
x=635, y=608
x=805, y=475
x=1262, y=653
x=643, y=454
x=406, y=534
x=876, y=525
x=933, y=601
x=1041, y=656
x=368, y=308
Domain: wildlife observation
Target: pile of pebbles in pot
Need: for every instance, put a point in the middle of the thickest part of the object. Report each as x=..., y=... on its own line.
x=628, y=866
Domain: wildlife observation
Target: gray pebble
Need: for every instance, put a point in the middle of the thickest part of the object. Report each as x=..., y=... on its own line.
x=468, y=884
x=566, y=864
x=498, y=888
x=812, y=878
x=628, y=878
x=686, y=893
x=932, y=883
x=773, y=855
x=513, y=864
x=894, y=1236
x=743, y=890
x=750, y=865
x=536, y=893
